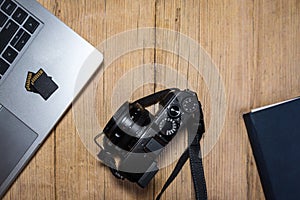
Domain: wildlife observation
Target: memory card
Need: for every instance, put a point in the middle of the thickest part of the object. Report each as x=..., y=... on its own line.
x=28, y=84
x=43, y=84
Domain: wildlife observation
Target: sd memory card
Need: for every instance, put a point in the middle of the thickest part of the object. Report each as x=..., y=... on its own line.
x=40, y=83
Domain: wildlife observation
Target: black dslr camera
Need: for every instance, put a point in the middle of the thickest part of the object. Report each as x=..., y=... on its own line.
x=134, y=138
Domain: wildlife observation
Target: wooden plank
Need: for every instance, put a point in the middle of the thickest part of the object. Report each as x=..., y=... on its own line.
x=78, y=174
x=229, y=32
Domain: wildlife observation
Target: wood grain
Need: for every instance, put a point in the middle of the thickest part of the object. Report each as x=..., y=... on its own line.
x=255, y=46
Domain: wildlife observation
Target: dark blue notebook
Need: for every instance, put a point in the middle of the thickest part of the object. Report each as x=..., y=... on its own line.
x=274, y=134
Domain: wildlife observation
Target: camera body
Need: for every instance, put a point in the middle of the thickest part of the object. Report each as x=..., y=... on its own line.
x=136, y=138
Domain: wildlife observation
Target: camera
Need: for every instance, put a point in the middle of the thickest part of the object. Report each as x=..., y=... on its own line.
x=134, y=137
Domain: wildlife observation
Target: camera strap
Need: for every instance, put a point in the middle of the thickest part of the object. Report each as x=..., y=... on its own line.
x=154, y=98
x=194, y=153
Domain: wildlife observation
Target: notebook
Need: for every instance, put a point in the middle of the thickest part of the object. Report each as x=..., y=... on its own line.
x=274, y=134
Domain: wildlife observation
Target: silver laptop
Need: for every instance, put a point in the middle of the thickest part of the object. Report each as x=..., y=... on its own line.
x=43, y=66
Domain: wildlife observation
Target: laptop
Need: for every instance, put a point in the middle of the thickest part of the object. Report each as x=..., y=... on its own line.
x=43, y=67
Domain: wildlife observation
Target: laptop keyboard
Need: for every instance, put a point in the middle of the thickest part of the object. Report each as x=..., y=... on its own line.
x=17, y=26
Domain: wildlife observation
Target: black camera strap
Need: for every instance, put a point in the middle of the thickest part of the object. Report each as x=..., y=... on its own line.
x=154, y=98
x=194, y=153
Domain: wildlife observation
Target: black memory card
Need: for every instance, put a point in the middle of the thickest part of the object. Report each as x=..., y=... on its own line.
x=41, y=83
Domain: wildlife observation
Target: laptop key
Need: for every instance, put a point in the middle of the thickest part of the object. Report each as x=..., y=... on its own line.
x=8, y=7
x=19, y=15
x=17, y=37
x=31, y=25
x=3, y=66
x=3, y=19
x=21, y=43
x=7, y=33
x=10, y=54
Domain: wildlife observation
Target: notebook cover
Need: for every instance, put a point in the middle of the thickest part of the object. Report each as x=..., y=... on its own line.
x=274, y=134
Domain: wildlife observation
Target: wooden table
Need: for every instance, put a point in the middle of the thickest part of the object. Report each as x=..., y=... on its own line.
x=255, y=46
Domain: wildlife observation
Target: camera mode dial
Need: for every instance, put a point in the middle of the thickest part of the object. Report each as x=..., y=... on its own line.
x=168, y=126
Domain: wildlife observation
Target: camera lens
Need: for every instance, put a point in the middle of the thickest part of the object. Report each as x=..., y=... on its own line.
x=139, y=115
x=135, y=114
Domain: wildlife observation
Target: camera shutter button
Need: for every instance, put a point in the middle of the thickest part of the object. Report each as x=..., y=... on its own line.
x=174, y=112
